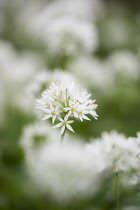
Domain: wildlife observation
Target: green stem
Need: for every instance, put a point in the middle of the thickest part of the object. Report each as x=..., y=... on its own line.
x=116, y=189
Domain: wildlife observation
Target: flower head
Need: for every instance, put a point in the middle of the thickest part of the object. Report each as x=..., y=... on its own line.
x=63, y=100
x=64, y=124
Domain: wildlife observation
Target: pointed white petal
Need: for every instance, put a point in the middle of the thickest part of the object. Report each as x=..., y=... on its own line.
x=75, y=114
x=47, y=117
x=66, y=118
x=70, y=128
x=80, y=118
x=85, y=117
x=69, y=113
x=60, y=119
x=58, y=125
x=66, y=109
x=53, y=119
x=70, y=121
x=62, y=129
x=51, y=106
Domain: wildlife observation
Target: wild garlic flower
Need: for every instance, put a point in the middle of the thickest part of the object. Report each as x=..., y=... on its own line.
x=37, y=135
x=63, y=100
x=66, y=173
x=118, y=153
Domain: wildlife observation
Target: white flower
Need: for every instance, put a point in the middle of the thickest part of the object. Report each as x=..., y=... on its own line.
x=71, y=36
x=65, y=173
x=125, y=63
x=72, y=109
x=92, y=72
x=118, y=152
x=63, y=100
x=52, y=112
x=16, y=70
x=36, y=136
x=64, y=124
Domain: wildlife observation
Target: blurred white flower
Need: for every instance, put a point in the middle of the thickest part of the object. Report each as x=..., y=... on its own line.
x=37, y=135
x=64, y=100
x=65, y=173
x=15, y=67
x=81, y=9
x=64, y=26
x=118, y=152
x=42, y=80
x=92, y=72
x=16, y=70
x=125, y=63
x=70, y=36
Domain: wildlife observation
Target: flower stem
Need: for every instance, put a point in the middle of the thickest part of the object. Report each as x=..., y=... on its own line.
x=116, y=189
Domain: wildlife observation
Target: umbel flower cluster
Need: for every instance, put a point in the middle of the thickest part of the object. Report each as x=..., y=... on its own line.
x=64, y=100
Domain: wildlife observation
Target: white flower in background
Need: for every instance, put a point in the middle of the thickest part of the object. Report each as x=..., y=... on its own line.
x=65, y=173
x=92, y=72
x=42, y=80
x=63, y=100
x=81, y=9
x=37, y=18
x=16, y=67
x=36, y=136
x=118, y=152
x=125, y=63
x=16, y=70
x=70, y=36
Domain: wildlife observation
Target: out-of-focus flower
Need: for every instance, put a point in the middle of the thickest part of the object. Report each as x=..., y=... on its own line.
x=118, y=152
x=16, y=70
x=65, y=27
x=64, y=100
x=42, y=80
x=125, y=63
x=36, y=136
x=70, y=36
x=92, y=72
x=65, y=173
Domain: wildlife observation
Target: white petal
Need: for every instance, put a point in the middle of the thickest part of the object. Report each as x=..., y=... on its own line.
x=66, y=118
x=80, y=118
x=57, y=126
x=70, y=121
x=47, y=117
x=66, y=109
x=70, y=128
x=51, y=106
x=69, y=113
x=85, y=117
x=75, y=114
x=53, y=119
x=40, y=107
x=40, y=102
x=60, y=119
x=46, y=110
x=62, y=129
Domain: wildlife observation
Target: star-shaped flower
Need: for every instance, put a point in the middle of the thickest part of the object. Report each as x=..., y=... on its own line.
x=51, y=112
x=64, y=124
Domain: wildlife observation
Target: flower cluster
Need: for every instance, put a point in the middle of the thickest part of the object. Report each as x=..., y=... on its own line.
x=59, y=172
x=63, y=100
x=118, y=153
